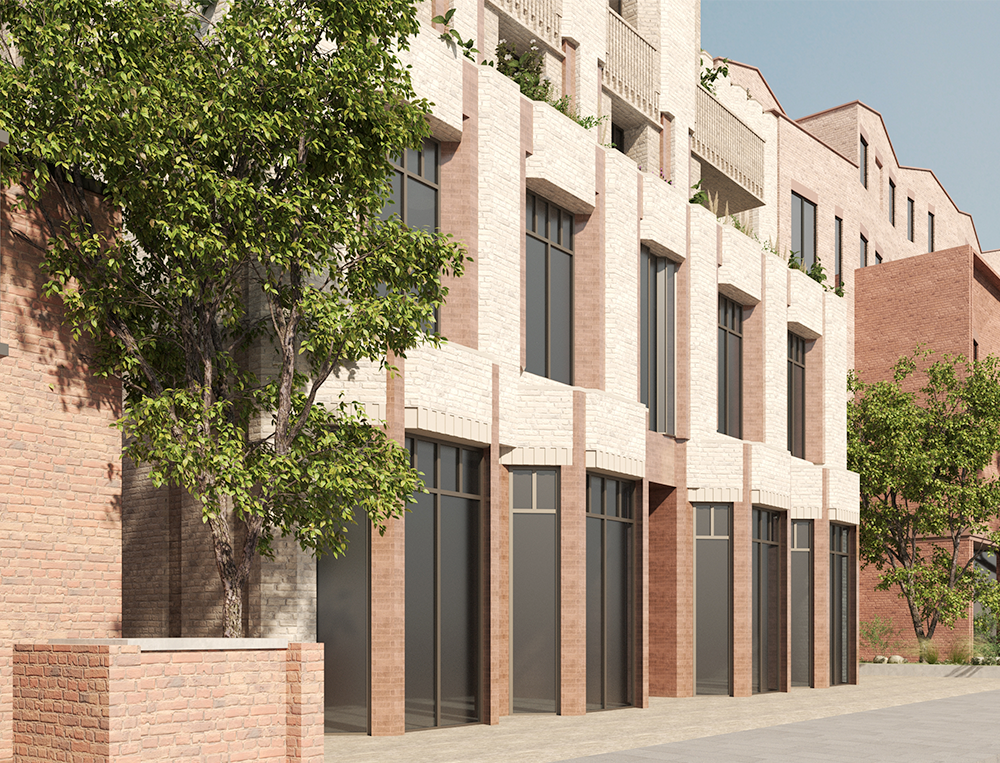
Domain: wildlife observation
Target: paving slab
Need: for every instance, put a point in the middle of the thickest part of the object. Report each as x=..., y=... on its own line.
x=545, y=738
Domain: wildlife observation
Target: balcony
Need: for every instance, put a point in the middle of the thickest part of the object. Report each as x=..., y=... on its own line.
x=632, y=69
x=731, y=154
x=540, y=17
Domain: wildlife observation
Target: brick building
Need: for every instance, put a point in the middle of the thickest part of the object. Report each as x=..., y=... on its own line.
x=635, y=438
x=60, y=467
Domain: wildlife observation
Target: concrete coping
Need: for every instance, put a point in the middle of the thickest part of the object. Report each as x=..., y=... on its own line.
x=915, y=669
x=181, y=644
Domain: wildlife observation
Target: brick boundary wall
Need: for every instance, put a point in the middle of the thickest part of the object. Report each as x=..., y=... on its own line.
x=134, y=700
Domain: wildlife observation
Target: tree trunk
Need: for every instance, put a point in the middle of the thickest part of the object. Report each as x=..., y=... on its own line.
x=232, y=618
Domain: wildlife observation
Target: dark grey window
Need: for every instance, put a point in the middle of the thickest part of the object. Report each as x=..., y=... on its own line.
x=878, y=258
x=618, y=137
x=415, y=188
x=549, y=297
x=342, y=608
x=838, y=251
x=801, y=577
x=730, y=367
x=713, y=622
x=766, y=626
x=534, y=627
x=840, y=604
x=864, y=252
x=796, y=395
x=863, y=162
x=892, y=202
x=909, y=219
x=804, y=230
x=442, y=587
x=656, y=309
x=610, y=619
x=616, y=6
x=930, y=232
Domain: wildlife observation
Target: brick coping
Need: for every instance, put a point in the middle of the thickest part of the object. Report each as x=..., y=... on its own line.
x=180, y=644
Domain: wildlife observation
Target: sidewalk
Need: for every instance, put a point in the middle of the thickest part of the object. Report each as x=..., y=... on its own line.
x=913, y=717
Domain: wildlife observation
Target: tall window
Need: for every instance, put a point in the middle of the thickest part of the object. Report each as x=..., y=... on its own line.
x=534, y=590
x=549, y=296
x=892, y=202
x=930, y=232
x=838, y=251
x=840, y=604
x=442, y=587
x=610, y=539
x=712, y=598
x=656, y=310
x=415, y=188
x=878, y=258
x=804, y=230
x=766, y=626
x=863, y=161
x=909, y=219
x=802, y=609
x=730, y=367
x=864, y=251
x=796, y=395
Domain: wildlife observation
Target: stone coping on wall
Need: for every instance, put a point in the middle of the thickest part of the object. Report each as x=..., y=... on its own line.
x=180, y=644
x=923, y=670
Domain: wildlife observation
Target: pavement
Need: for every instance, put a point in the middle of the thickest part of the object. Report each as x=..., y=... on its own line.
x=915, y=718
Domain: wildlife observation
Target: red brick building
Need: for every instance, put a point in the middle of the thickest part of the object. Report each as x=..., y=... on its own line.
x=949, y=302
x=60, y=467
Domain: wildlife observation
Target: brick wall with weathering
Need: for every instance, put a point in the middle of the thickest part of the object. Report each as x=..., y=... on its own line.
x=60, y=469
x=118, y=702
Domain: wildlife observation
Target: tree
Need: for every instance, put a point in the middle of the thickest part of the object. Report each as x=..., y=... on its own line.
x=245, y=160
x=927, y=485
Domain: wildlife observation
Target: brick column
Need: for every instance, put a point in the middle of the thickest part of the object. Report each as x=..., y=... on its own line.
x=304, y=708
x=495, y=590
x=743, y=586
x=821, y=602
x=573, y=572
x=588, y=290
x=387, y=677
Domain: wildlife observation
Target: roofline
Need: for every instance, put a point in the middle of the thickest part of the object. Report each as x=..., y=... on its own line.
x=762, y=79
x=892, y=148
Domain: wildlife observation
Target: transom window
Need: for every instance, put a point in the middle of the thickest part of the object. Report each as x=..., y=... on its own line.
x=549, y=294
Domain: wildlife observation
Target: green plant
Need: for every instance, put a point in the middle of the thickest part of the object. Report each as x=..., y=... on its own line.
x=700, y=195
x=563, y=106
x=879, y=635
x=817, y=272
x=986, y=638
x=452, y=34
x=710, y=74
x=526, y=70
x=794, y=263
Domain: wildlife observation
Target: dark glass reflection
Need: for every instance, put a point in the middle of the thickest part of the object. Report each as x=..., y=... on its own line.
x=535, y=611
x=561, y=316
x=421, y=665
x=713, y=606
x=342, y=626
x=801, y=615
x=535, y=299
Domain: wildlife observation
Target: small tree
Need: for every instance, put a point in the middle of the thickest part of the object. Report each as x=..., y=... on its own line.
x=247, y=161
x=927, y=485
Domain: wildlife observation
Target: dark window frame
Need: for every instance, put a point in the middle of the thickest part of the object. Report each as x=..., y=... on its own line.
x=799, y=579
x=657, y=340
x=767, y=653
x=796, y=395
x=838, y=251
x=892, y=202
x=909, y=219
x=730, y=326
x=863, y=160
x=930, y=231
x=803, y=234
x=433, y=484
x=864, y=251
x=552, y=242
x=841, y=606
x=624, y=514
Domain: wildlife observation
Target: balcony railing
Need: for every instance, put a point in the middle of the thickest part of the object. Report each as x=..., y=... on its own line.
x=631, y=70
x=724, y=141
x=542, y=17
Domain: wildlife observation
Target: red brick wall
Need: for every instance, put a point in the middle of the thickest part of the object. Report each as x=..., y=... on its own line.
x=97, y=703
x=60, y=473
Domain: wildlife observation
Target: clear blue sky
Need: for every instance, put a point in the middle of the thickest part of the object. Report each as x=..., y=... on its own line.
x=929, y=67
